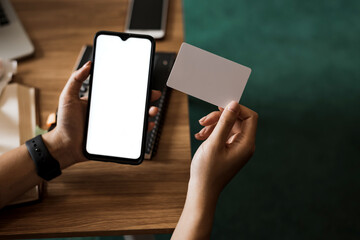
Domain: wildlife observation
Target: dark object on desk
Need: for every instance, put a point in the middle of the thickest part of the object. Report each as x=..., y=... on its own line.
x=162, y=67
x=4, y=20
x=163, y=63
x=147, y=17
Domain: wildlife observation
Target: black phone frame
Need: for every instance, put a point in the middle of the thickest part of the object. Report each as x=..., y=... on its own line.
x=90, y=156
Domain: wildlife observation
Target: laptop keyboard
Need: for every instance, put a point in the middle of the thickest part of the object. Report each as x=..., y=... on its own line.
x=3, y=18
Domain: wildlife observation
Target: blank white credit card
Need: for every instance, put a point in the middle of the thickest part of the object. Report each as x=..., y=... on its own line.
x=207, y=76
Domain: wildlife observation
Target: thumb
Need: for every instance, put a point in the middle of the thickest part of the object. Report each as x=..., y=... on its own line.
x=75, y=81
x=226, y=122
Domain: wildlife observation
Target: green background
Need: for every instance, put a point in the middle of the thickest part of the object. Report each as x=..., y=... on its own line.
x=303, y=181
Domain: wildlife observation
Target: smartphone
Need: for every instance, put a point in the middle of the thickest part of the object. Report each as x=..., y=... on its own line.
x=118, y=101
x=147, y=17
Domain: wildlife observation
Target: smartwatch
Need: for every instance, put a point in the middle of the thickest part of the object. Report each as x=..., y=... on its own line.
x=47, y=167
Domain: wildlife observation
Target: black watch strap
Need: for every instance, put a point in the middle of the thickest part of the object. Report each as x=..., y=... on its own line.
x=47, y=167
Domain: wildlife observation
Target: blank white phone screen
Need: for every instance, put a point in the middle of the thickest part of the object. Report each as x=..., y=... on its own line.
x=118, y=96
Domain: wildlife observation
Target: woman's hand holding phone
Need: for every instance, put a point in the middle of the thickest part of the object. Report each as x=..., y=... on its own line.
x=65, y=141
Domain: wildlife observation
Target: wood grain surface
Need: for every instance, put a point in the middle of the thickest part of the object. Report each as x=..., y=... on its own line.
x=97, y=198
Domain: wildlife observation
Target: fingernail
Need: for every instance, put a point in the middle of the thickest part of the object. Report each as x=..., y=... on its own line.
x=202, y=119
x=87, y=64
x=233, y=106
x=203, y=131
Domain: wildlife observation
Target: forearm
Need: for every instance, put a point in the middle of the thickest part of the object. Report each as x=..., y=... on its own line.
x=197, y=217
x=17, y=174
x=18, y=170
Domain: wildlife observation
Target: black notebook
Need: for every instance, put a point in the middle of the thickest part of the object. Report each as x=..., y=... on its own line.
x=163, y=63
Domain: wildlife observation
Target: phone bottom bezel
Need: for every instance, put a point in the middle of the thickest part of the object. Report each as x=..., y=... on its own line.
x=113, y=159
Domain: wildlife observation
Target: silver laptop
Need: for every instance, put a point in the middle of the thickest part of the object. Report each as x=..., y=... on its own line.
x=14, y=42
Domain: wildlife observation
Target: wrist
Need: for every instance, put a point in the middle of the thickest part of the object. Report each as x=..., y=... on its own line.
x=197, y=217
x=202, y=194
x=57, y=149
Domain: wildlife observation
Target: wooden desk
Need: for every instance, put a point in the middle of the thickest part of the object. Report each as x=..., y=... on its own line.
x=95, y=198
